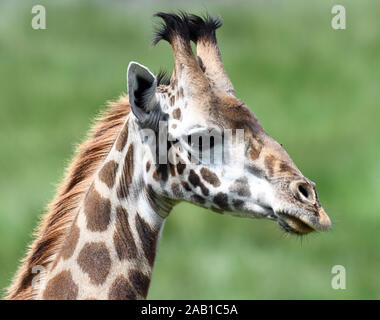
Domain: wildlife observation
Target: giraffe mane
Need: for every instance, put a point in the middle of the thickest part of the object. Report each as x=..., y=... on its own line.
x=60, y=213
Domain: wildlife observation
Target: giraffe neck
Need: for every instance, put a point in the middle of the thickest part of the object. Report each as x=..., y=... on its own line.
x=109, y=251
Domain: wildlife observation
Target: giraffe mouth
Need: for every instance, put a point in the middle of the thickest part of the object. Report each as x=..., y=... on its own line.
x=293, y=224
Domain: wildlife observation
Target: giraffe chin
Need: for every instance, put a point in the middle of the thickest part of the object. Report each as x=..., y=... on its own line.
x=292, y=224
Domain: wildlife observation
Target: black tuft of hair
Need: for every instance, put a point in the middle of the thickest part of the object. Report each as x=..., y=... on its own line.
x=204, y=27
x=172, y=25
x=163, y=78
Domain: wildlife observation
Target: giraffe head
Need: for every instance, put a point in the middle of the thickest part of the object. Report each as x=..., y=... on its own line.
x=218, y=155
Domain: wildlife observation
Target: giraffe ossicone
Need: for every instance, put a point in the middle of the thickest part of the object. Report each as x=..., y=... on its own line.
x=100, y=236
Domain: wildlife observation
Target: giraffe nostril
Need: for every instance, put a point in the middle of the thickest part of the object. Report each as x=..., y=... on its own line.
x=303, y=190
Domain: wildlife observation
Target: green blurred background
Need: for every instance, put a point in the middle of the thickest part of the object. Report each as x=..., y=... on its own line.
x=314, y=89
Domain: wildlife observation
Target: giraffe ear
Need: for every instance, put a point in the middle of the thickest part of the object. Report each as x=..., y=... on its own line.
x=145, y=106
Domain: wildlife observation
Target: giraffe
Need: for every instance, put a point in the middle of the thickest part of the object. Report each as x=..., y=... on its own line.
x=100, y=235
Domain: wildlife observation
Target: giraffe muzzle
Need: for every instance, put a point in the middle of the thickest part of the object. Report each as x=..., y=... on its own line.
x=304, y=223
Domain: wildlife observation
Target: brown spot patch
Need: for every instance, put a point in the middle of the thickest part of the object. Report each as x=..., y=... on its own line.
x=210, y=177
x=123, y=239
x=172, y=169
x=127, y=174
x=236, y=115
x=176, y=190
x=121, y=289
x=240, y=187
x=122, y=139
x=286, y=168
x=238, y=204
x=180, y=167
x=221, y=199
x=198, y=199
x=147, y=166
x=177, y=113
x=194, y=178
x=148, y=238
x=254, y=149
x=161, y=172
x=269, y=164
x=97, y=210
x=196, y=181
x=155, y=174
x=174, y=126
x=61, y=287
x=180, y=91
x=94, y=259
x=172, y=101
x=71, y=242
x=185, y=185
x=139, y=281
x=108, y=173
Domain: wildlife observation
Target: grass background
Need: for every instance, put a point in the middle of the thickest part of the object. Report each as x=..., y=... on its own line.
x=314, y=89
